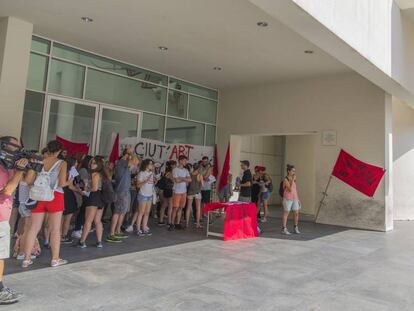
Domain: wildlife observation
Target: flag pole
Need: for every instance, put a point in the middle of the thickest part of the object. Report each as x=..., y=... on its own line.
x=325, y=194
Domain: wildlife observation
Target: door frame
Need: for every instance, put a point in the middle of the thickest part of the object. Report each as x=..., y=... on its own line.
x=97, y=127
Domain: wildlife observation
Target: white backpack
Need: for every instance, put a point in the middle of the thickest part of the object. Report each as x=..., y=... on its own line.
x=41, y=190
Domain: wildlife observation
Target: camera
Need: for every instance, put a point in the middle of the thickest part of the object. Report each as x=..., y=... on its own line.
x=11, y=153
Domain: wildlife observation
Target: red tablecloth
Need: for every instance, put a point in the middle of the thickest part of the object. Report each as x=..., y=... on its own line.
x=241, y=219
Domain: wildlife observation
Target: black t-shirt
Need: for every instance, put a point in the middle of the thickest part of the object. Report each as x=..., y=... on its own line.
x=247, y=177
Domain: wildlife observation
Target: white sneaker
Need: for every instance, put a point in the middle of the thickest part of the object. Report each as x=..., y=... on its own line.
x=77, y=234
x=21, y=257
x=285, y=231
x=129, y=229
x=296, y=230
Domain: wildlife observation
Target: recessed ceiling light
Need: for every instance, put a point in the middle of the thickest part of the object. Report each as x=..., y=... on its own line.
x=162, y=48
x=308, y=52
x=217, y=68
x=86, y=19
x=262, y=24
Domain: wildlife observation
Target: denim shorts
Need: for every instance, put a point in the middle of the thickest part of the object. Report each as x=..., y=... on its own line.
x=291, y=205
x=144, y=198
x=265, y=195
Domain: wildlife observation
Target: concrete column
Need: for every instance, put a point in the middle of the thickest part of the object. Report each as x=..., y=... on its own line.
x=15, y=42
x=389, y=184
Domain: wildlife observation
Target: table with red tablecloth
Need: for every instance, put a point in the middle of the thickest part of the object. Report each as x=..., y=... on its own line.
x=240, y=221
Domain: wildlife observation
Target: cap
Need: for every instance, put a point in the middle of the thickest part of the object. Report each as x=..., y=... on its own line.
x=245, y=162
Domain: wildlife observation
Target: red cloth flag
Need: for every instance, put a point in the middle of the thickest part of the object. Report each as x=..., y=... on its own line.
x=215, y=167
x=114, y=156
x=73, y=148
x=359, y=175
x=226, y=169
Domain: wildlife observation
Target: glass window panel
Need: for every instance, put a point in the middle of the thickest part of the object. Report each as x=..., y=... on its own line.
x=66, y=79
x=192, y=88
x=153, y=127
x=100, y=62
x=202, y=110
x=40, y=45
x=210, y=135
x=36, y=78
x=186, y=132
x=120, y=91
x=114, y=121
x=74, y=122
x=177, y=104
x=32, y=120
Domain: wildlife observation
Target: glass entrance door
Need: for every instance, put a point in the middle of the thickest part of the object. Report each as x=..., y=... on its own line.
x=73, y=121
x=113, y=121
x=84, y=122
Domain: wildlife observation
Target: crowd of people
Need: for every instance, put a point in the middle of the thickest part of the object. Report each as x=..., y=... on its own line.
x=72, y=197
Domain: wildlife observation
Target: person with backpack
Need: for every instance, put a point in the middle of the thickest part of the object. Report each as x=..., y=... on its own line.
x=94, y=203
x=290, y=200
x=122, y=203
x=48, y=192
x=194, y=194
x=166, y=185
x=266, y=187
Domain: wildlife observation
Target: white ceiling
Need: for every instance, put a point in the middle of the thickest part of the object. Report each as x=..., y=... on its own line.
x=199, y=34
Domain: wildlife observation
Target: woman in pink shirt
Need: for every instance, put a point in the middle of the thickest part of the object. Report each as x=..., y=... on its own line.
x=290, y=200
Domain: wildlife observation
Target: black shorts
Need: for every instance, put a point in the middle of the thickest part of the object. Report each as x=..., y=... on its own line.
x=206, y=196
x=95, y=199
x=168, y=193
x=71, y=205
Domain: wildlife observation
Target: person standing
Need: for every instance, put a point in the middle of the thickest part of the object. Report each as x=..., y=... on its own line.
x=166, y=192
x=146, y=184
x=256, y=189
x=245, y=184
x=290, y=200
x=194, y=194
x=181, y=178
x=94, y=203
x=265, y=189
x=9, y=180
x=122, y=195
x=56, y=170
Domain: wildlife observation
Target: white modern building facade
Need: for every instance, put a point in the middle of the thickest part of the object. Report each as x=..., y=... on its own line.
x=269, y=77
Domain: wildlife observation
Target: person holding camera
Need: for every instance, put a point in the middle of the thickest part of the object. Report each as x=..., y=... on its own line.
x=48, y=192
x=290, y=200
x=9, y=180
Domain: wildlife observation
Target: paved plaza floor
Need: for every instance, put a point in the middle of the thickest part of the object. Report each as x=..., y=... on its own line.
x=324, y=268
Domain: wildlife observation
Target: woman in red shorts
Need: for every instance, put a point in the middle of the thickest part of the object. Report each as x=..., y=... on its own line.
x=54, y=209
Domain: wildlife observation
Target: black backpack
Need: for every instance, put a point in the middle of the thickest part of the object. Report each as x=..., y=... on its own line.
x=108, y=193
x=282, y=188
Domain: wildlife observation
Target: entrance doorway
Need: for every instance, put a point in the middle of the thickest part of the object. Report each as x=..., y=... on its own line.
x=85, y=122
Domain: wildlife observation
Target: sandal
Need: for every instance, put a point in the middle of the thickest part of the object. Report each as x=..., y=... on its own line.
x=58, y=262
x=26, y=263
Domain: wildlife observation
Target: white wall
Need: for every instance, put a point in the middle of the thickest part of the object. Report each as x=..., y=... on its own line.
x=347, y=103
x=403, y=138
x=15, y=41
x=300, y=152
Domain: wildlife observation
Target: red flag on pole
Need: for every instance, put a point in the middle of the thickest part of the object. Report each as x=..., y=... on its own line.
x=73, y=148
x=113, y=157
x=359, y=175
x=226, y=169
x=215, y=167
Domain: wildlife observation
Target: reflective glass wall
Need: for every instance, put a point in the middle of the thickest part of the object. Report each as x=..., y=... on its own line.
x=173, y=110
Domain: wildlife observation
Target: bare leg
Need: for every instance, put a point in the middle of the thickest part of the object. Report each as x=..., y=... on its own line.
x=98, y=225
x=36, y=225
x=198, y=212
x=164, y=204
x=147, y=209
x=114, y=223
x=179, y=215
x=119, y=224
x=141, y=211
x=284, y=218
x=89, y=217
x=266, y=208
x=23, y=237
x=13, y=219
x=54, y=224
x=66, y=224
x=296, y=217
x=188, y=211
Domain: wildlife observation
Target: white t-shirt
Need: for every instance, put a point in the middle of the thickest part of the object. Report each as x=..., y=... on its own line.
x=180, y=187
x=146, y=189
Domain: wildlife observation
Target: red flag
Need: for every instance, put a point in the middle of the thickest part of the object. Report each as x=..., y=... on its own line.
x=113, y=157
x=73, y=148
x=215, y=167
x=226, y=169
x=359, y=175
